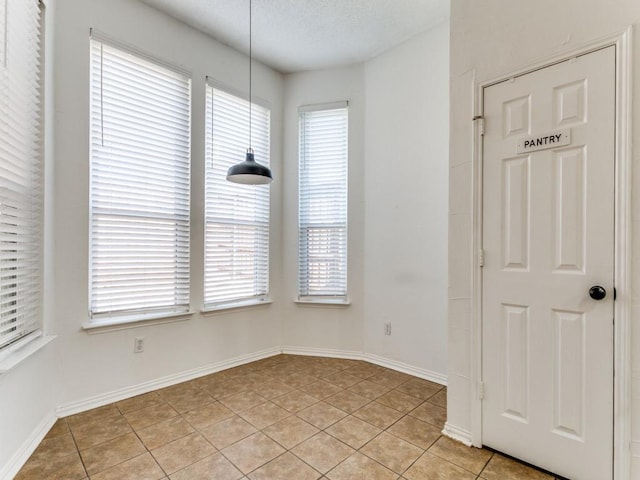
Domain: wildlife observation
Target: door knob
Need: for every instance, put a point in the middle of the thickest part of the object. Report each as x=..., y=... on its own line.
x=597, y=292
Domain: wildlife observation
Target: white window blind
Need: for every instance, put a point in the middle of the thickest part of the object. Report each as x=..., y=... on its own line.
x=140, y=159
x=20, y=170
x=237, y=216
x=322, y=202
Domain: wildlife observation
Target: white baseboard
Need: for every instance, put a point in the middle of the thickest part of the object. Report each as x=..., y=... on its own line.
x=322, y=352
x=128, y=392
x=11, y=469
x=378, y=360
x=423, y=373
x=458, y=434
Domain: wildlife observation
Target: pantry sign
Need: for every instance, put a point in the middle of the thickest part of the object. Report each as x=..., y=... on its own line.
x=559, y=138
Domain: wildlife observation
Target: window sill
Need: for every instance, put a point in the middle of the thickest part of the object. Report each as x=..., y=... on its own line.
x=16, y=354
x=236, y=306
x=113, y=325
x=323, y=302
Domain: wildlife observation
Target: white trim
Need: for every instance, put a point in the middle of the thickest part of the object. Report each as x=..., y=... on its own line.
x=322, y=302
x=458, y=434
x=316, y=107
x=237, y=306
x=425, y=374
x=15, y=354
x=115, y=324
x=322, y=352
x=128, y=392
x=439, y=378
x=17, y=461
x=623, y=246
x=623, y=255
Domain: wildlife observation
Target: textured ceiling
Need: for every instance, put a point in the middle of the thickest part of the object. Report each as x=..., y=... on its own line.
x=296, y=35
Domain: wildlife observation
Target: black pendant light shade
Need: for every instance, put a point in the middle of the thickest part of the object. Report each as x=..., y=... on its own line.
x=249, y=172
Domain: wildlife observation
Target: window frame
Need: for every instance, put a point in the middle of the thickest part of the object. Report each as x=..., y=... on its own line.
x=155, y=314
x=337, y=298
x=258, y=298
x=29, y=199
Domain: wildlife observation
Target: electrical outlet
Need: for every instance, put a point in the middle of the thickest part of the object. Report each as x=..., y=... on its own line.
x=138, y=345
x=387, y=328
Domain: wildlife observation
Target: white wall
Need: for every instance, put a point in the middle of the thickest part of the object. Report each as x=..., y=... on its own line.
x=490, y=38
x=406, y=188
x=96, y=364
x=398, y=112
x=321, y=327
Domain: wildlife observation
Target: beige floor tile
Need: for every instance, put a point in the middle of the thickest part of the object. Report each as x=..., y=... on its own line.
x=503, y=468
x=297, y=380
x=215, y=467
x=389, y=378
x=92, y=434
x=295, y=401
x=111, y=453
x=378, y=414
x=353, y=431
x=399, y=401
x=228, y=432
x=164, y=432
x=285, y=467
x=347, y=401
x=191, y=400
x=178, y=390
x=148, y=416
x=343, y=379
x=429, y=466
x=439, y=398
x=321, y=389
x=291, y=431
x=180, y=453
x=59, y=428
x=207, y=415
x=252, y=452
x=369, y=389
x=469, y=458
x=94, y=415
x=138, y=402
x=430, y=413
x=322, y=452
x=415, y=431
x=321, y=415
x=143, y=467
x=419, y=388
x=58, y=446
x=243, y=401
x=360, y=467
x=392, y=452
x=272, y=389
x=57, y=468
x=224, y=388
x=264, y=415
x=364, y=370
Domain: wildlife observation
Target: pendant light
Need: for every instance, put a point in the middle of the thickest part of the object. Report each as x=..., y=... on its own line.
x=249, y=172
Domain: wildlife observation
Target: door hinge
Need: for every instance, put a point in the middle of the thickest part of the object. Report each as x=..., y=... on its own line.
x=481, y=257
x=479, y=119
x=481, y=390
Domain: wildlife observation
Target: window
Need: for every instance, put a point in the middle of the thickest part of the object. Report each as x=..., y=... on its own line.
x=140, y=154
x=322, y=203
x=236, y=216
x=20, y=171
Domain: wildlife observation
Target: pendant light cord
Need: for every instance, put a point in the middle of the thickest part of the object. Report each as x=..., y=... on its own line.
x=250, y=72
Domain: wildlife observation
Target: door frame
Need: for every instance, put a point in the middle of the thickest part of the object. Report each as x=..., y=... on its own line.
x=622, y=245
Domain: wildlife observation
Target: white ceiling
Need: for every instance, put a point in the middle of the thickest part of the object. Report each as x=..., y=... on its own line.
x=296, y=35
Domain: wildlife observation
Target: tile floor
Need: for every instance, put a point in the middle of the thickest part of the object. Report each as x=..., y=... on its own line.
x=286, y=417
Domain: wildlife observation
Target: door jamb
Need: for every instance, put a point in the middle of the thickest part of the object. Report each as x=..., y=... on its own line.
x=622, y=254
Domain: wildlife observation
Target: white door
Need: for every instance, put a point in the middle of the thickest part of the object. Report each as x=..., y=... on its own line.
x=548, y=237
